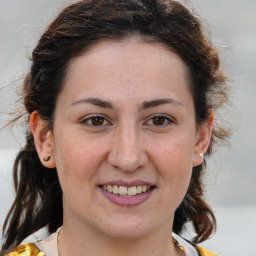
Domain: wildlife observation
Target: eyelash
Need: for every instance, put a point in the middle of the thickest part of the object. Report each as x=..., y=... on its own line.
x=167, y=120
x=94, y=117
x=88, y=121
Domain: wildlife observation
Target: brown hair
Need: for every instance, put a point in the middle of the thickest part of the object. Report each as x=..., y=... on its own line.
x=38, y=201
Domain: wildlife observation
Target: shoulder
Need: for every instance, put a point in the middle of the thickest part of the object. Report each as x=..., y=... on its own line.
x=191, y=249
x=25, y=250
x=204, y=252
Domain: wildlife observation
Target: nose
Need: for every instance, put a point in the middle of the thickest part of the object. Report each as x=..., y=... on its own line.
x=127, y=152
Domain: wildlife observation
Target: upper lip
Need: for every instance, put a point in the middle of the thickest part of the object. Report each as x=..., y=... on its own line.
x=128, y=183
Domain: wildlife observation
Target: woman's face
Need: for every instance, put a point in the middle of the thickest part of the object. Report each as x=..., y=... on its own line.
x=125, y=122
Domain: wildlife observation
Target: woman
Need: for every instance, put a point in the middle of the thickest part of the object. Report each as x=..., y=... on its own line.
x=120, y=101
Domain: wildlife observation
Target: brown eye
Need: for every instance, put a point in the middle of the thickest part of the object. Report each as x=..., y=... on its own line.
x=158, y=120
x=97, y=121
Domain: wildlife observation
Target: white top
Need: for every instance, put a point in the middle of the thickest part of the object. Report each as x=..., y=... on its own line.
x=189, y=249
x=49, y=245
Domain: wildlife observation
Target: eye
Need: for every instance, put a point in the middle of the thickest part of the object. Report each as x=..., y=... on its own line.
x=160, y=120
x=95, y=121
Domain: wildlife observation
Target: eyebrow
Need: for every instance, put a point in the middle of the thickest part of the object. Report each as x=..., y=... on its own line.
x=94, y=101
x=145, y=105
x=158, y=102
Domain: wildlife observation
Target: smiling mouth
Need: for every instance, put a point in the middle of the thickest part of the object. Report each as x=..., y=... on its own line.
x=124, y=191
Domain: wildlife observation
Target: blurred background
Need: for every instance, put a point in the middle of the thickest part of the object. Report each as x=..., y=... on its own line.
x=231, y=176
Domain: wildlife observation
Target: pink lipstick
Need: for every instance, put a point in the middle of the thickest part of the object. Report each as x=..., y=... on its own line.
x=127, y=194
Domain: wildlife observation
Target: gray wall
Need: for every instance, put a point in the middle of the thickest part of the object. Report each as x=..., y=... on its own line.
x=231, y=175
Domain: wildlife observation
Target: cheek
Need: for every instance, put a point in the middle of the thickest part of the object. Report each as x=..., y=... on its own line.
x=77, y=165
x=76, y=161
x=174, y=163
x=174, y=168
x=175, y=155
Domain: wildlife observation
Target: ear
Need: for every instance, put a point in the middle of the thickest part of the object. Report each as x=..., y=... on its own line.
x=203, y=139
x=43, y=139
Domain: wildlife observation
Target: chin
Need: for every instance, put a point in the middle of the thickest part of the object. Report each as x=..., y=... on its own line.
x=127, y=234
x=127, y=229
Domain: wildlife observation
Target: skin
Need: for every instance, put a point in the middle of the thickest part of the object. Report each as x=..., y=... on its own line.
x=127, y=143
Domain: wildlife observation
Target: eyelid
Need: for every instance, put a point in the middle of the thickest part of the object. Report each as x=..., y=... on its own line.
x=86, y=118
x=170, y=120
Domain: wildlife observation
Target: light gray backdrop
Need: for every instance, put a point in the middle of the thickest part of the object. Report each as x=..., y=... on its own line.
x=231, y=177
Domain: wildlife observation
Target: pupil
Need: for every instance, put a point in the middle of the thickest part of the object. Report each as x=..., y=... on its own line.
x=97, y=121
x=158, y=120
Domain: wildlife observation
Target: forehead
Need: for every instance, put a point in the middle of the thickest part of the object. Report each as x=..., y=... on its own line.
x=132, y=67
x=134, y=49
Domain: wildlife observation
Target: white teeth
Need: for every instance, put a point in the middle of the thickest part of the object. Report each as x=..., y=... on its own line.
x=126, y=191
x=144, y=188
x=138, y=189
x=115, y=189
x=123, y=191
x=131, y=191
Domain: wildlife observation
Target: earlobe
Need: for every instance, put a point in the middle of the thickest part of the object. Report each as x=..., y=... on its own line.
x=43, y=139
x=203, y=140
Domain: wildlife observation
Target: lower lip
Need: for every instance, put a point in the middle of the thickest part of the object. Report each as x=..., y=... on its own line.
x=127, y=200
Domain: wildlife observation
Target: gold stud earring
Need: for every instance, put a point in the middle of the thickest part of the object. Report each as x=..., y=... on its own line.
x=47, y=158
x=201, y=155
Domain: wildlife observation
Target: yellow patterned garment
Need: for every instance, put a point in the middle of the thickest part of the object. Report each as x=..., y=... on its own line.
x=32, y=250
x=26, y=250
x=203, y=252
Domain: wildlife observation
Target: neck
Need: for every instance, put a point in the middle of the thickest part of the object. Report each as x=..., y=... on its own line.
x=74, y=241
